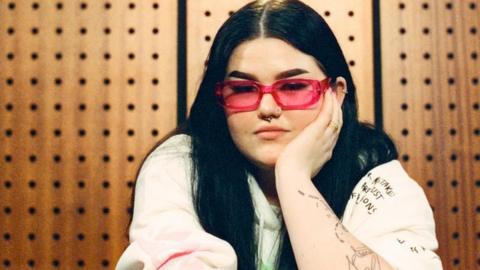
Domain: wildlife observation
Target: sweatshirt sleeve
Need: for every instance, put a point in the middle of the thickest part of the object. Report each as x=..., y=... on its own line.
x=389, y=212
x=165, y=232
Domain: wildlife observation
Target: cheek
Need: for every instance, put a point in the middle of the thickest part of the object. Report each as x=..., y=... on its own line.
x=239, y=126
x=302, y=118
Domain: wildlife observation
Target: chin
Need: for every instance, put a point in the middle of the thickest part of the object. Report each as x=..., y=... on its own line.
x=265, y=162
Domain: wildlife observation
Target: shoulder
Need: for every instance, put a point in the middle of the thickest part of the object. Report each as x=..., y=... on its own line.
x=387, y=191
x=177, y=145
x=167, y=168
x=175, y=151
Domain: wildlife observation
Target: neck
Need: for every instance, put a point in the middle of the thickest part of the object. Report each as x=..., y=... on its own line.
x=266, y=180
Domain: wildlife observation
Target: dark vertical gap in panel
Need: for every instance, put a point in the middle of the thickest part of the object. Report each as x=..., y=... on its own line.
x=182, y=62
x=377, y=65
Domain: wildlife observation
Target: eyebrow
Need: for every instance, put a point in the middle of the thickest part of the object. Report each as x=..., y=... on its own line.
x=281, y=75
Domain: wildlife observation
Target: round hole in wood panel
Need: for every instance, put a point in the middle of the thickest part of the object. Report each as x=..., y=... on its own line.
x=57, y=158
x=57, y=184
x=32, y=184
x=7, y=184
x=56, y=236
x=57, y=132
x=31, y=263
x=31, y=236
x=105, y=184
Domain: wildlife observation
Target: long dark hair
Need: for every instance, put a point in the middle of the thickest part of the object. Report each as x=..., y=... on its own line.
x=220, y=189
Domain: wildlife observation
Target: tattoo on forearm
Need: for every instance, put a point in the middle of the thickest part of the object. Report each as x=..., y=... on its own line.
x=340, y=231
x=319, y=201
x=365, y=256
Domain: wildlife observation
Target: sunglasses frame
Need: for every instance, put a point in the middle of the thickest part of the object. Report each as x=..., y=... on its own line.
x=319, y=87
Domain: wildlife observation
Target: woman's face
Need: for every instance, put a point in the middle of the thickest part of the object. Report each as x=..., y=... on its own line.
x=267, y=60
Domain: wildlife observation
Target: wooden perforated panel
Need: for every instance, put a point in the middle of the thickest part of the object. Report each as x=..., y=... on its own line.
x=350, y=20
x=86, y=89
x=431, y=101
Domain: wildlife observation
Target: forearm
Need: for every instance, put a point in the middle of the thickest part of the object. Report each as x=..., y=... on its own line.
x=319, y=240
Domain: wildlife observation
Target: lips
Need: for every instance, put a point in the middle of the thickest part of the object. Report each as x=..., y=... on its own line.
x=270, y=132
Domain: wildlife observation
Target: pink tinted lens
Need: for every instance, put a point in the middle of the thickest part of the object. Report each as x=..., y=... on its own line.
x=295, y=93
x=240, y=94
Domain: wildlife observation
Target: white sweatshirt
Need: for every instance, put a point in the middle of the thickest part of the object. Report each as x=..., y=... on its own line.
x=388, y=211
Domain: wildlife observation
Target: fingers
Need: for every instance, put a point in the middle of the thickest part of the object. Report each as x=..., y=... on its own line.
x=336, y=121
x=326, y=112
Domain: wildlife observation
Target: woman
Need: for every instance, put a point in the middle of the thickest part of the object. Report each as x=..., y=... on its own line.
x=272, y=170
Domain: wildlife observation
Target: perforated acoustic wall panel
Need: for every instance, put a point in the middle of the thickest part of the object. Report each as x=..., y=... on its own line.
x=431, y=101
x=86, y=89
x=350, y=20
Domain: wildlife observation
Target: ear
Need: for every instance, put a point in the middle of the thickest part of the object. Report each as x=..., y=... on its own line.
x=340, y=89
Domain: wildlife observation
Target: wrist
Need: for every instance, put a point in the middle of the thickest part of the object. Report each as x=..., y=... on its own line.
x=290, y=174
